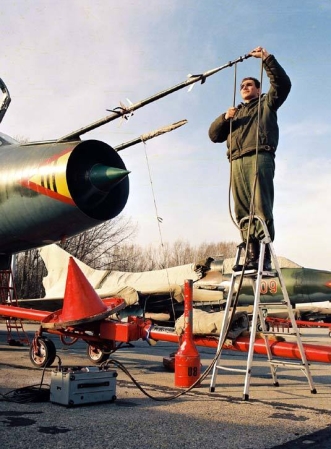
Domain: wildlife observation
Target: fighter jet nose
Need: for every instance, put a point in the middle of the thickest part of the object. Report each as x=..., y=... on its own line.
x=105, y=178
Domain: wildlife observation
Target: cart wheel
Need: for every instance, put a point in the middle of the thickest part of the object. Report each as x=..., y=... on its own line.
x=96, y=355
x=45, y=354
x=259, y=326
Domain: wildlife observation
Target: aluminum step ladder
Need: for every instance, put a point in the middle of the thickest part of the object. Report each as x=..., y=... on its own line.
x=16, y=335
x=256, y=277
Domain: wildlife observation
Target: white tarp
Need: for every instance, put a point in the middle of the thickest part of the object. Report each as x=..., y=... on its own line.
x=127, y=285
x=205, y=323
x=109, y=283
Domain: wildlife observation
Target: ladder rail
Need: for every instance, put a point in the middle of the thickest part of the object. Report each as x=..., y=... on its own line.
x=294, y=324
x=256, y=279
x=225, y=323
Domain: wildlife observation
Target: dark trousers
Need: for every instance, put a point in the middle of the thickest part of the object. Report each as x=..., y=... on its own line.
x=243, y=174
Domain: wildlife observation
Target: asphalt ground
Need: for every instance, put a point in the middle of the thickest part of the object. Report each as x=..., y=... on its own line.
x=288, y=416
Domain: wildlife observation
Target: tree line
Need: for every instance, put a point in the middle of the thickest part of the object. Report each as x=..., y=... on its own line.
x=110, y=246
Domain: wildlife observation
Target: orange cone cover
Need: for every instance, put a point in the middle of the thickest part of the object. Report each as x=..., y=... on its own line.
x=80, y=299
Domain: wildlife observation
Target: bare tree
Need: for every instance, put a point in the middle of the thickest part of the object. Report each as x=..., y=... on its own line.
x=95, y=246
x=127, y=257
x=134, y=258
x=29, y=272
x=108, y=247
x=220, y=250
x=181, y=253
x=91, y=247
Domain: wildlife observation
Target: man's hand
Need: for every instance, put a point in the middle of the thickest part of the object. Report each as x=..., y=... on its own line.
x=259, y=52
x=230, y=113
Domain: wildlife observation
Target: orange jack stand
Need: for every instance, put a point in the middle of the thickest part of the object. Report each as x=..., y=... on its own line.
x=187, y=358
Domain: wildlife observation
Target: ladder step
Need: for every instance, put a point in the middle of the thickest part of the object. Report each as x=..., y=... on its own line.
x=287, y=363
x=272, y=273
x=247, y=273
x=264, y=305
x=288, y=334
x=8, y=296
x=226, y=368
x=254, y=273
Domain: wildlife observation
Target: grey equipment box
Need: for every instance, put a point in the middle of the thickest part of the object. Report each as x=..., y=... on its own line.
x=73, y=386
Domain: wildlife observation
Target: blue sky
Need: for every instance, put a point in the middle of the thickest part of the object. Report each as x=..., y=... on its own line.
x=66, y=61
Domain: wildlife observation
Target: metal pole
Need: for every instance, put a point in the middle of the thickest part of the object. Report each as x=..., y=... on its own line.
x=150, y=135
x=127, y=110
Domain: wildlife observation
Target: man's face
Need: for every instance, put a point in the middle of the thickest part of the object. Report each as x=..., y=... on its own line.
x=248, y=90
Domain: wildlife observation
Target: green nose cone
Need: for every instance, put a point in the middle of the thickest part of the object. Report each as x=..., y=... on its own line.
x=105, y=178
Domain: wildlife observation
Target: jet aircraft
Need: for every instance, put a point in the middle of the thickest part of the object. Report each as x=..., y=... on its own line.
x=159, y=294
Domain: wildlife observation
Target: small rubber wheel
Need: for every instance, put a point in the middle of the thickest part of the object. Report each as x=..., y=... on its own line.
x=96, y=355
x=45, y=354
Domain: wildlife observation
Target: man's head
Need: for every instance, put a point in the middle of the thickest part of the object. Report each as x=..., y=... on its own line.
x=249, y=89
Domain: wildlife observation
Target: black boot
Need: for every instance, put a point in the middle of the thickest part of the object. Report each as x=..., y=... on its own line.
x=267, y=259
x=253, y=254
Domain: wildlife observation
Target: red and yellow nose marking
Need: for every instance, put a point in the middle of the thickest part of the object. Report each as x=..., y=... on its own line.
x=50, y=178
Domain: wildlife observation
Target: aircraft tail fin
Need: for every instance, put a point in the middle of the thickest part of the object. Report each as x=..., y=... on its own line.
x=56, y=261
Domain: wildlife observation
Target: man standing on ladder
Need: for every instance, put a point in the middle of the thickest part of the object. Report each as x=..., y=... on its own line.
x=252, y=134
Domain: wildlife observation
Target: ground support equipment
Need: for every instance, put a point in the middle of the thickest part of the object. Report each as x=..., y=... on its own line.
x=73, y=386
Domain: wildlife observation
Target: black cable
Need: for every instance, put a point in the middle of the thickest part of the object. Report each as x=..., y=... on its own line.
x=252, y=204
x=230, y=149
x=30, y=393
x=181, y=393
x=25, y=395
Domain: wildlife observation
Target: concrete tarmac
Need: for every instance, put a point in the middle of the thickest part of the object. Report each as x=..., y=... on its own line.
x=288, y=416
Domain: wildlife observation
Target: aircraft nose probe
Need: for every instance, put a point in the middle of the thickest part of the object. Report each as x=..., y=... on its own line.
x=105, y=178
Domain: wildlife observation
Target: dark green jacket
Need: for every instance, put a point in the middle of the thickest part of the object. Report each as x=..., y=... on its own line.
x=244, y=124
